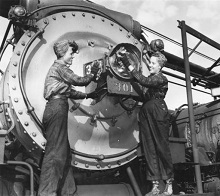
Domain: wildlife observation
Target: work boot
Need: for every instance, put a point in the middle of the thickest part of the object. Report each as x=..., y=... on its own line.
x=155, y=190
x=168, y=189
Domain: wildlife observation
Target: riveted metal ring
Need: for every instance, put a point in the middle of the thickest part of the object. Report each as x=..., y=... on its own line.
x=16, y=93
x=56, y=25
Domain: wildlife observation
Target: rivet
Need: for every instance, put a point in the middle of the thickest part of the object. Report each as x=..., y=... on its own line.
x=9, y=120
x=109, y=166
x=64, y=15
x=15, y=64
x=16, y=100
x=20, y=112
x=119, y=162
x=83, y=14
x=135, y=41
x=54, y=17
x=25, y=131
x=23, y=43
x=86, y=165
x=6, y=113
x=29, y=34
x=129, y=34
x=18, y=53
x=144, y=51
x=34, y=142
x=73, y=14
x=75, y=162
x=112, y=24
x=14, y=88
x=43, y=143
x=14, y=76
x=101, y=157
x=127, y=158
x=120, y=29
x=91, y=43
x=103, y=20
x=26, y=123
x=45, y=21
x=30, y=109
x=98, y=166
x=34, y=134
x=110, y=46
x=93, y=16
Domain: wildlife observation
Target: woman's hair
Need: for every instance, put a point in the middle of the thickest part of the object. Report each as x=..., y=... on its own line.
x=61, y=47
x=161, y=58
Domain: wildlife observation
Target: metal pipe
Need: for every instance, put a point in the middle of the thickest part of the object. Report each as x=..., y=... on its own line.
x=194, y=49
x=192, y=88
x=133, y=182
x=31, y=173
x=191, y=111
x=175, y=42
x=8, y=41
x=5, y=36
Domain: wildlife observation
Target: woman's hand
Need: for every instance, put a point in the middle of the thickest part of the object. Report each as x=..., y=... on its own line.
x=127, y=62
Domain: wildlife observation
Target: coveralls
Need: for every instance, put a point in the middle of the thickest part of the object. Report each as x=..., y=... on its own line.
x=56, y=177
x=154, y=126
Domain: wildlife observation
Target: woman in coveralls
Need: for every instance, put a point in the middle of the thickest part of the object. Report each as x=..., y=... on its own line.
x=154, y=121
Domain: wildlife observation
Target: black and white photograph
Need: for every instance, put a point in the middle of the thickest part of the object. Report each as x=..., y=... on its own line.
x=109, y=97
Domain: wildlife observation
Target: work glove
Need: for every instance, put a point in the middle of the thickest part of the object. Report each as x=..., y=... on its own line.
x=92, y=95
x=127, y=61
x=95, y=68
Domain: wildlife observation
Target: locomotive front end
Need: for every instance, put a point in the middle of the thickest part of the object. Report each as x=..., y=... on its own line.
x=103, y=133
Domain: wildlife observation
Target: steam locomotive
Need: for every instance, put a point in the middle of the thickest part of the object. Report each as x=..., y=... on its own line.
x=103, y=133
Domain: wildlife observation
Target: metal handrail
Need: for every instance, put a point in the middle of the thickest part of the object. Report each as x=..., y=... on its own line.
x=31, y=173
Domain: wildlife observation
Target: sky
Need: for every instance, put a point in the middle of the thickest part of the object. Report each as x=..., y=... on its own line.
x=162, y=16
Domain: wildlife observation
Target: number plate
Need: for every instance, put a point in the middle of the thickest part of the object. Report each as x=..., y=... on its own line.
x=116, y=86
x=88, y=66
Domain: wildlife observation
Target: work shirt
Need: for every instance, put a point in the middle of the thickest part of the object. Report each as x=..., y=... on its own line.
x=60, y=80
x=156, y=84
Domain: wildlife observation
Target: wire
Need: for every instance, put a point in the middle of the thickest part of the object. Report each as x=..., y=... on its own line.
x=175, y=42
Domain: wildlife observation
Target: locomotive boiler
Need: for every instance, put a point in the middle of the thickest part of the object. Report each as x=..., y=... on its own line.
x=103, y=133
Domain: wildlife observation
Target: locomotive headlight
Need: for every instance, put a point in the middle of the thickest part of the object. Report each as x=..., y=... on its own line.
x=19, y=11
x=116, y=64
x=16, y=12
